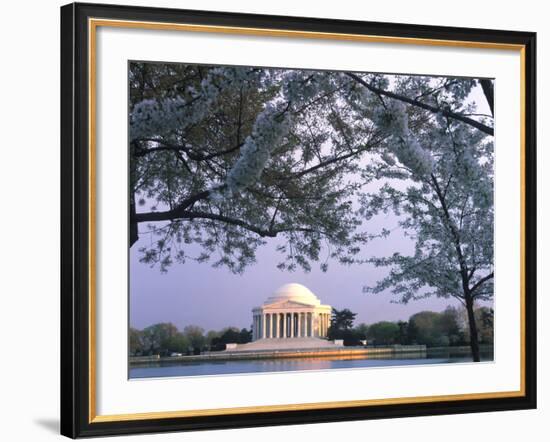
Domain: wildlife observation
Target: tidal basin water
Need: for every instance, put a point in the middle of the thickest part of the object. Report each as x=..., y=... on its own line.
x=205, y=368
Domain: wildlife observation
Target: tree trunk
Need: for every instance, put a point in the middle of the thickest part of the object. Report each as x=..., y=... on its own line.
x=133, y=223
x=474, y=344
x=487, y=86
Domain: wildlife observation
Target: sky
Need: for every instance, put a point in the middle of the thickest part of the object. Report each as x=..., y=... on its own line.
x=214, y=298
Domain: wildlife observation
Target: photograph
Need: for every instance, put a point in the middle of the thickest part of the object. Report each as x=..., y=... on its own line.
x=285, y=219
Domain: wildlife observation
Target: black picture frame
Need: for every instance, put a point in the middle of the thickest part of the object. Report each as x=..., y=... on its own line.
x=76, y=402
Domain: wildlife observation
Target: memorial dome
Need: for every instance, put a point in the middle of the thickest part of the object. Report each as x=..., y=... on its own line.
x=293, y=292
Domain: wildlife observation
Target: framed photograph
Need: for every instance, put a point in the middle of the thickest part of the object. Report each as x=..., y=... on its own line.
x=273, y=220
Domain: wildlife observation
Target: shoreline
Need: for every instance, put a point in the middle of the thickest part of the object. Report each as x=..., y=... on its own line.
x=349, y=352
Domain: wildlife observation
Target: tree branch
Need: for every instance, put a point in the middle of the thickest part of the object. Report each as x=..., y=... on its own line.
x=482, y=127
x=272, y=232
x=177, y=148
x=329, y=162
x=177, y=212
x=456, y=237
x=481, y=281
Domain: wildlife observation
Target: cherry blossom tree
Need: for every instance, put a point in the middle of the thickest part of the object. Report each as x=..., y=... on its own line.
x=225, y=157
x=438, y=174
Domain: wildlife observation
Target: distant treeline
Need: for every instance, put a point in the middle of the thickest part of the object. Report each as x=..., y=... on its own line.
x=433, y=329
x=164, y=339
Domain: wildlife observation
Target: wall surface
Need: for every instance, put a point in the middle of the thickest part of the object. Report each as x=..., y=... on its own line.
x=29, y=170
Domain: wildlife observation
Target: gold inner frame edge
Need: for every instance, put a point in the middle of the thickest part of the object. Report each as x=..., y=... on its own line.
x=93, y=24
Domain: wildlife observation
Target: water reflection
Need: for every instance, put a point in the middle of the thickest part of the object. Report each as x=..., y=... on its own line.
x=204, y=368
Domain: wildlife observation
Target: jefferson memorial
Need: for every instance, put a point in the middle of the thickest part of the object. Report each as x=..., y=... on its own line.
x=292, y=311
x=292, y=317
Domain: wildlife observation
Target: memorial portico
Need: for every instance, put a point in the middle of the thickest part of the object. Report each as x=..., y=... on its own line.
x=292, y=311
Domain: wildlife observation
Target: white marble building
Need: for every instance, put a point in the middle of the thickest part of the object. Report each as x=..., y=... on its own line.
x=291, y=312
